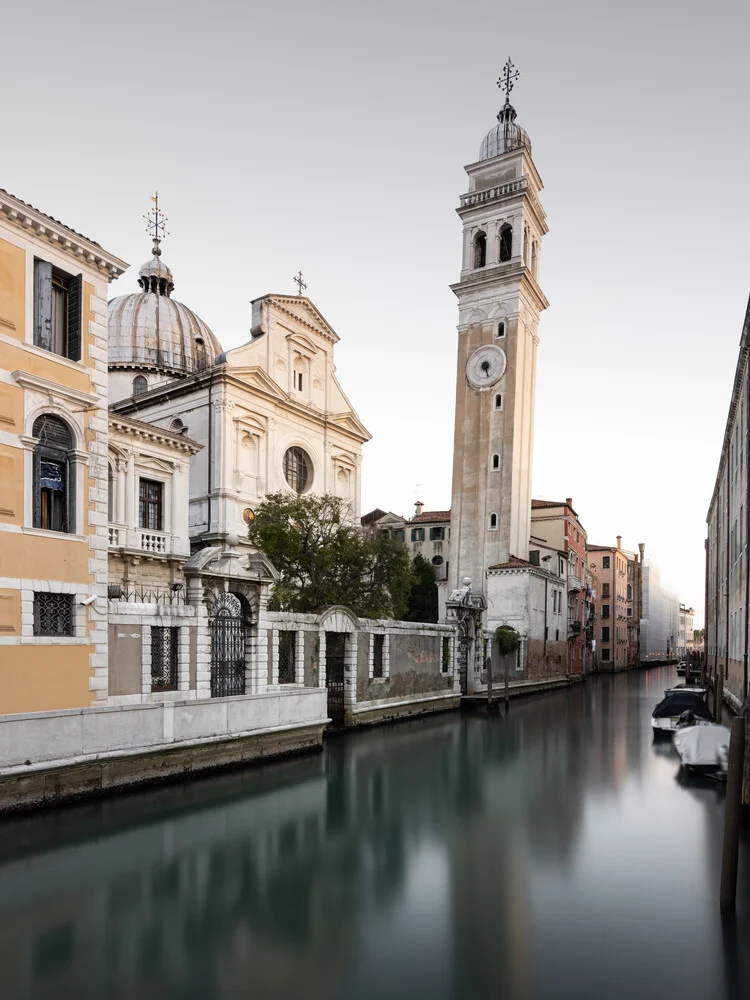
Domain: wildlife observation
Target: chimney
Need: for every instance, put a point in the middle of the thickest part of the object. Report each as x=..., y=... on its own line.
x=418, y=506
x=642, y=549
x=619, y=542
x=569, y=502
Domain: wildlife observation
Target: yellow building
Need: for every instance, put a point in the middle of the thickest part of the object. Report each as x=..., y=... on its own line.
x=53, y=462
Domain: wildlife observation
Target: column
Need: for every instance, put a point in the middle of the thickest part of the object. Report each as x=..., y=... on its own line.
x=130, y=486
x=120, y=492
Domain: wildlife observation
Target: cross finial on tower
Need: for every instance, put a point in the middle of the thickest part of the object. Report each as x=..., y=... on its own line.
x=297, y=279
x=509, y=76
x=156, y=224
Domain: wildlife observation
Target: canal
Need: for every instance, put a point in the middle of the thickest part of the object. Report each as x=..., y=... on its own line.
x=555, y=853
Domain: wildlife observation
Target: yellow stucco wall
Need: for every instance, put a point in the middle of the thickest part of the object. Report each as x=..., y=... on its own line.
x=13, y=358
x=48, y=556
x=44, y=678
x=12, y=289
x=10, y=613
x=11, y=488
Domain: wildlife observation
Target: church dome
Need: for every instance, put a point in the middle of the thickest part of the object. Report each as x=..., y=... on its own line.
x=505, y=136
x=150, y=328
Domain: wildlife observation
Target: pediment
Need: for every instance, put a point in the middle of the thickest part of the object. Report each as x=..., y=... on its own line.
x=256, y=378
x=150, y=464
x=302, y=343
x=350, y=423
x=301, y=308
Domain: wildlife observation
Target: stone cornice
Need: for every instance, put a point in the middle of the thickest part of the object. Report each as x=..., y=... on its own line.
x=324, y=329
x=28, y=381
x=25, y=217
x=149, y=432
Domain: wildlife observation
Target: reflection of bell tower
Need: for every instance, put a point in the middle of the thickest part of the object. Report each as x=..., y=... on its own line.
x=499, y=304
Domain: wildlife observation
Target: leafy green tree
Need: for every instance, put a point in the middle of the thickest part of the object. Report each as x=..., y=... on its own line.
x=423, y=594
x=322, y=558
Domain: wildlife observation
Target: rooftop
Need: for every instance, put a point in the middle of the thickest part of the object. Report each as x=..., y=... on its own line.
x=431, y=515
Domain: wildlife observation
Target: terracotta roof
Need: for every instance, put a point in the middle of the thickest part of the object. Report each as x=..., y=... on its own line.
x=601, y=548
x=51, y=217
x=513, y=563
x=431, y=515
x=547, y=503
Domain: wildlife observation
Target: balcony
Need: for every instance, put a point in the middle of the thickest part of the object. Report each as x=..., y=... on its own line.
x=152, y=543
x=574, y=627
x=574, y=583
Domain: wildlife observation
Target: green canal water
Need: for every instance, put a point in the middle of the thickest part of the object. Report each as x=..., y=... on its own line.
x=554, y=853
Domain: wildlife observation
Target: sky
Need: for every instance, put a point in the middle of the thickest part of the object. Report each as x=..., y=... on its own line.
x=332, y=137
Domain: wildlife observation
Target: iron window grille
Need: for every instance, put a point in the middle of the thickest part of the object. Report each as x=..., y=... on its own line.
x=377, y=655
x=54, y=615
x=287, y=656
x=150, y=504
x=164, y=657
x=446, y=654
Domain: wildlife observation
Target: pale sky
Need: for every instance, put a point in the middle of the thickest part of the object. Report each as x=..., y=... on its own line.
x=332, y=137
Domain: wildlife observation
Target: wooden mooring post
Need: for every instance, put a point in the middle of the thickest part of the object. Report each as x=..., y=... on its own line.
x=731, y=844
x=718, y=694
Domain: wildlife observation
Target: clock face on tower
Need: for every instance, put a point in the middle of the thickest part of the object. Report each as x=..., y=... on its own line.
x=485, y=366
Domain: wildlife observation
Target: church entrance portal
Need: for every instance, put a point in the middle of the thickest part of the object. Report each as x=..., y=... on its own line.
x=228, y=625
x=335, y=650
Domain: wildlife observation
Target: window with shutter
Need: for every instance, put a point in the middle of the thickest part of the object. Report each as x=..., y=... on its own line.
x=43, y=304
x=75, y=302
x=150, y=504
x=53, y=483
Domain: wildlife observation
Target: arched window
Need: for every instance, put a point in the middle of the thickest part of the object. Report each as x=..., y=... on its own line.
x=500, y=330
x=495, y=462
x=480, y=249
x=493, y=522
x=498, y=401
x=506, y=243
x=140, y=384
x=54, y=484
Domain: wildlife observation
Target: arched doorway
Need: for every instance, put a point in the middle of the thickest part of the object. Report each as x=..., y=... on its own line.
x=228, y=626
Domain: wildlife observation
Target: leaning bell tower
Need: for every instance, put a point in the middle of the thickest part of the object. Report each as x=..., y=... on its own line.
x=499, y=304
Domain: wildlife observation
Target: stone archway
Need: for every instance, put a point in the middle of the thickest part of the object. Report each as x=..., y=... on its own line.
x=339, y=628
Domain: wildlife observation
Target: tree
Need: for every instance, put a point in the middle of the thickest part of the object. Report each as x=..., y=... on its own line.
x=323, y=559
x=698, y=634
x=423, y=593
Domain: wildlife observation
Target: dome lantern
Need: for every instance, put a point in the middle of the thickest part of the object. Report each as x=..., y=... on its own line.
x=506, y=135
x=151, y=330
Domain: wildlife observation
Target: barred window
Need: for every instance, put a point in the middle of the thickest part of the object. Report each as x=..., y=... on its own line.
x=287, y=656
x=164, y=657
x=54, y=615
x=377, y=655
x=446, y=654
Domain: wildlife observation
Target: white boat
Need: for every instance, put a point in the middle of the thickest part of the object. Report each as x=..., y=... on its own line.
x=666, y=716
x=703, y=747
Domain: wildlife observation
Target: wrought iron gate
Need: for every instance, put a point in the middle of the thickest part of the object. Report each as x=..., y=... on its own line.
x=228, y=626
x=335, y=650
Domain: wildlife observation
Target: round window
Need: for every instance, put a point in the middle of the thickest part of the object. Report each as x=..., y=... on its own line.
x=437, y=560
x=298, y=469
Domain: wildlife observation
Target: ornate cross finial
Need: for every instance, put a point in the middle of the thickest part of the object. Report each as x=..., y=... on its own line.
x=508, y=78
x=156, y=224
x=297, y=279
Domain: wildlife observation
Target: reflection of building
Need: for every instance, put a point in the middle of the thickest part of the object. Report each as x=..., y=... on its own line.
x=53, y=461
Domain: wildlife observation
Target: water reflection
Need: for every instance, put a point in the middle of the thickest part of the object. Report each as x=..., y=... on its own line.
x=549, y=854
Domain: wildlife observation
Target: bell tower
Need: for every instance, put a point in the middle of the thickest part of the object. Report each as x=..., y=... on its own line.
x=499, y=305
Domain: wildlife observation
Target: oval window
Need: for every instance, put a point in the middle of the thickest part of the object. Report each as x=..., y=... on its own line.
x=437, y=560
x=298, y=469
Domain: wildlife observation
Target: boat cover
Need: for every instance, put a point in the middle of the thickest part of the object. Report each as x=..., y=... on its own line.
x=699, y=746
x=678, y=702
